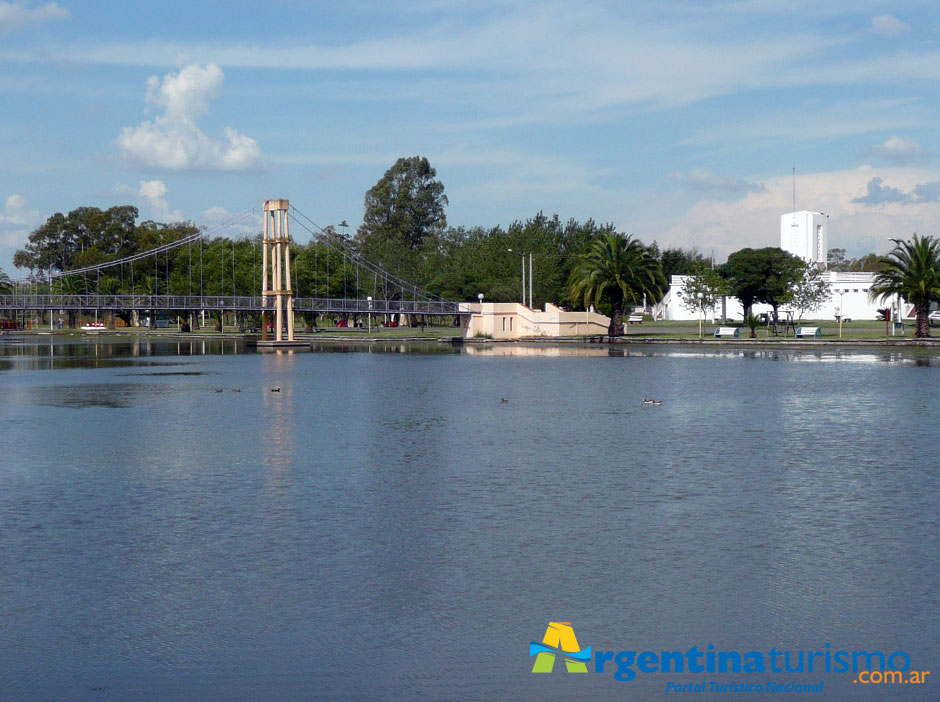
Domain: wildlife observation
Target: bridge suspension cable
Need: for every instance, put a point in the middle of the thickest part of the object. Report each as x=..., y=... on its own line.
x=232, y=221
x=344, y=247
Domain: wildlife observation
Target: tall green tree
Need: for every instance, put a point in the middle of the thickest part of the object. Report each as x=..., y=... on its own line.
x=762, y=275
x=85, y=236
x=617, y=269
x=6, y=285
x=679, y=261
x=404, y=210
x=911, y=270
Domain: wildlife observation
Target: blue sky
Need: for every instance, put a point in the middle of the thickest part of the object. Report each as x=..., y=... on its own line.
x=678, y=121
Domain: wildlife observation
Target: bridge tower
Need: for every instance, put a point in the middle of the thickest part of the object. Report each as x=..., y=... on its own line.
x=275, y=270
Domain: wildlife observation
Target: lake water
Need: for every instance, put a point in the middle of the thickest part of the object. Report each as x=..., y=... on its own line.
x=400, y=522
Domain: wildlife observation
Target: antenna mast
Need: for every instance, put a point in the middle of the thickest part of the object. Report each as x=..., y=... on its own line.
x=794, y=224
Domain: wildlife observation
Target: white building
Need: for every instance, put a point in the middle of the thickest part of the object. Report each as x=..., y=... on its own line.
x=848, y=294
x=806, y=235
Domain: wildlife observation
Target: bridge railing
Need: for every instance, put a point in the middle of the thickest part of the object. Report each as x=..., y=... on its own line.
x=28, y=301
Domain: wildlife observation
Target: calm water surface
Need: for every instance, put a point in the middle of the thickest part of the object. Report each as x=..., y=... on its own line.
x=399, y=522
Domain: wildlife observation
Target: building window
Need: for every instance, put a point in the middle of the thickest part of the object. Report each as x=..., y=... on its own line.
x=510, y=324
x=855, y=290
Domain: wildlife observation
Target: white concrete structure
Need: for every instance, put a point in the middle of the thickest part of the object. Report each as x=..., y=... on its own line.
x=511, y=320
x=806, y=235
x=672, y=306
x=848, y=293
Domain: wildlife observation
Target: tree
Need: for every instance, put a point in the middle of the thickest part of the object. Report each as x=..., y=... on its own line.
x=6, y=285
x=678, y=261
x=911, y=270
x=869, y=263
x=85, y=236
x=836, y=260
x=762, y=275
x=709, y=283
x=618, y=269
x=810, y=292
x=403, y=210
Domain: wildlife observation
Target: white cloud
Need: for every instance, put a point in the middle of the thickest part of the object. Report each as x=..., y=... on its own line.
x=887, y=25
x=702, y=179
x=154, y=192
x=754, y=220
x=173, y=140
x=16, y=221
x=215, y=214
x=898, y=150
x=16, y=213
x=16, y=15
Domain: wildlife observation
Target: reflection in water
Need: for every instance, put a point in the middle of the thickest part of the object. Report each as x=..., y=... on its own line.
x=534, y=351
x=194, y=532
x=278, y=427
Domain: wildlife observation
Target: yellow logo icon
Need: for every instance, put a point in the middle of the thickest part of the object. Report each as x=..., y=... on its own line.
x=559, y=638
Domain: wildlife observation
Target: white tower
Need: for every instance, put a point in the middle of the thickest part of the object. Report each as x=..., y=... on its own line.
x=806, y=235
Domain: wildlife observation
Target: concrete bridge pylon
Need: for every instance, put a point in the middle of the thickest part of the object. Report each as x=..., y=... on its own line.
x=275, y=271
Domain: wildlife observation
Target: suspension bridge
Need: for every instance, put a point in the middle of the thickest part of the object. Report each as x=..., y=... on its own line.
x=368, y=288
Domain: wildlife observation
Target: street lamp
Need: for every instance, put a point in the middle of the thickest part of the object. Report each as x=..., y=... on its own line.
x=701, y=312
x=523, y=276
x=369, y=300
x=840, y=313
x=898, y=319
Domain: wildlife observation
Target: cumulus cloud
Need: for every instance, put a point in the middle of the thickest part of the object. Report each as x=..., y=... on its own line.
x=16, y=220
x=154, y=192
x=897, y=150
x=702, y=179
x=878, y=194
x=16, y=212
x=215, y=214
x=887, y=25
x=927, y=192
x=173, y=141
x=16, y=15
x=754, y=219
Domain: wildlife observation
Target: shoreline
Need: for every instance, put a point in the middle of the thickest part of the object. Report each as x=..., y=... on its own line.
x=325, y=337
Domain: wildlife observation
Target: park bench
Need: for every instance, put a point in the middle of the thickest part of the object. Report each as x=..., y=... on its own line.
x=814, y=332
x=635, y=319
x=728, y=333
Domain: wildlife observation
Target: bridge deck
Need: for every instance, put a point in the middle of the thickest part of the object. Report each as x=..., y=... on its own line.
x=90, y=303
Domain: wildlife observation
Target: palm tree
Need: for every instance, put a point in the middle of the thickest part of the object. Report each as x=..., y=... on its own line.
x=618, y=269
x=72, y=285
x=911, y=270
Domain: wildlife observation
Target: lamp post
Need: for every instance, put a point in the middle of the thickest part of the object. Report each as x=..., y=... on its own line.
x=897, y=319
x=369, y=300
x=840, y=313
x=701, y=313
x=523, y=276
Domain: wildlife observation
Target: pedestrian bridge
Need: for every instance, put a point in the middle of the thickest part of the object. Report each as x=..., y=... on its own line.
x=225, y=303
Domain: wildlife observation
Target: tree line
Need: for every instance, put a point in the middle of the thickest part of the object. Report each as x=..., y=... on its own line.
x=405, y=231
